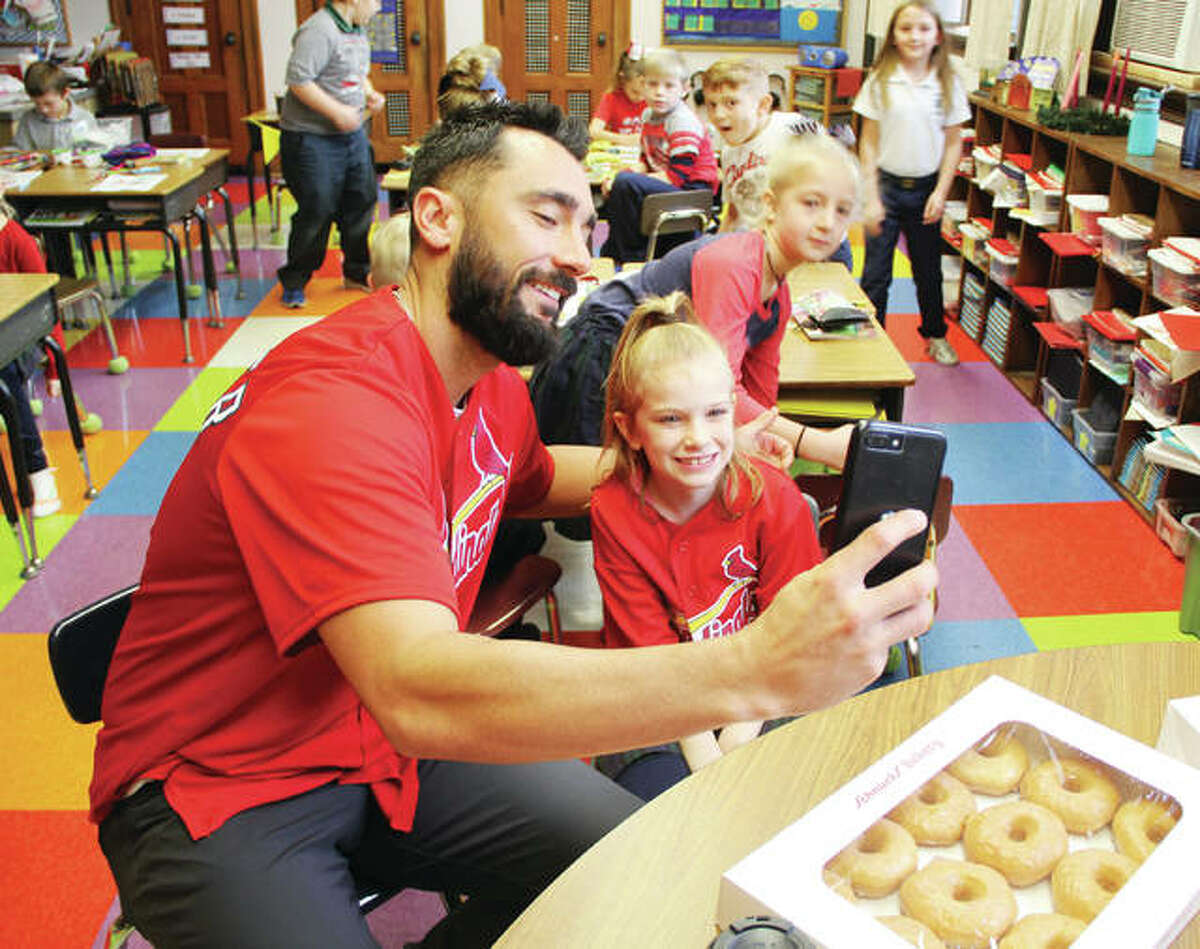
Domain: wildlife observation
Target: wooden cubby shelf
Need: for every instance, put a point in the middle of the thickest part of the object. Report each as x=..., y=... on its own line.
x=1155, y=187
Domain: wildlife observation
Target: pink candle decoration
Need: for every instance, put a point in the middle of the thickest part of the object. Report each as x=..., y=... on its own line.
x=1121, y=84
x=1112, y=77
x=1073, y=84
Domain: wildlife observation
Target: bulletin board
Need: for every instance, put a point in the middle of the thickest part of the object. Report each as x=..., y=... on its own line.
x=17, y=26
x=751, y=22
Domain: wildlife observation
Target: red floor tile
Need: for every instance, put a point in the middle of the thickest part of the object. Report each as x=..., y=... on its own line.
x=1068, y=559
x=152, y=342
x=902, y=328
x=56, y=884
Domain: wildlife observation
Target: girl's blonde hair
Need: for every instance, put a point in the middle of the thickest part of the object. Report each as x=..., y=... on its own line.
x=665, y=62
x=801, y=158
x=888, y=57
x=459, y=85
x=390, y=251
x=660, y=333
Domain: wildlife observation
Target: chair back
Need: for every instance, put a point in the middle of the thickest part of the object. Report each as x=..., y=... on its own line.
x=81, y=647
x=673, y=212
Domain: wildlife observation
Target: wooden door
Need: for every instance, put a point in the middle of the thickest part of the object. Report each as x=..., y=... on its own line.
x=406, y=44
x=207, y=85
x=560, y=51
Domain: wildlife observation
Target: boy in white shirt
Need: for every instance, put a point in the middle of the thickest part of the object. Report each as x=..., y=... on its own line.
x=737, y=96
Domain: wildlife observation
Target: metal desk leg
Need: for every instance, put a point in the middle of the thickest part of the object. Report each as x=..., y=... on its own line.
x=233, y=247
x=180, y=292
x=893, y=403
x=33, y=563
x=108, y=262
x=210, y=271
x=912, y=655
x=72, y=410
x=14, y=521
x=251, y=174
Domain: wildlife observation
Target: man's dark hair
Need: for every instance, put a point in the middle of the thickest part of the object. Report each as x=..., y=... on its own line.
x=468, y=140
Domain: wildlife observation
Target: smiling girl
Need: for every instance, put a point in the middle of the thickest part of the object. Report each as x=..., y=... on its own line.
x=692, y=539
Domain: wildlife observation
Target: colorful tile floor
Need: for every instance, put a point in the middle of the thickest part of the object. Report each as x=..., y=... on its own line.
x=1041, y=553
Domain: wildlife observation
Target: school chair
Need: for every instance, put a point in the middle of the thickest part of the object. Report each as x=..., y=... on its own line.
x=826, y=491
x=71, y=291
x=674, y=212
x=778, y=88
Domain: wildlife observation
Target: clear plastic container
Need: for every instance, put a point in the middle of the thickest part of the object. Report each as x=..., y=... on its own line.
x=974, y=246
x=1153, y=389
x=1168, y=524
x=1067, y=307
x=1045, y=195
x=953, y=215
x=1175, y=278
x=1058, y=408
x=1124, y=245
x=1096, y=446
x=1003, y=265
x=1086, y=211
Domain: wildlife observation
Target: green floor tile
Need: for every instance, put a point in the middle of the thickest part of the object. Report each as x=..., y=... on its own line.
x=1061, y=632
x=50, y=530
x=189, y=410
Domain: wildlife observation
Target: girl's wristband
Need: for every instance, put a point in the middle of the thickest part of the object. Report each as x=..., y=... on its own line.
x=799, y=439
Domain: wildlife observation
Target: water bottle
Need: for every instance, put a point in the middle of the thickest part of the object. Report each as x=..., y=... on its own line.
x=1143, y=127
x=1189, y=150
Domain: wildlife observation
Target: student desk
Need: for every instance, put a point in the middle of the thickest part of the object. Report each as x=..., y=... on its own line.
x=653, y=880
x=27, y=314
x=254, y=128
x=837, y=372
x=70, y=188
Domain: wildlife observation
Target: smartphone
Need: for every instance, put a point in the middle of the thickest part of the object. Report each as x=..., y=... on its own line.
x=889, y=467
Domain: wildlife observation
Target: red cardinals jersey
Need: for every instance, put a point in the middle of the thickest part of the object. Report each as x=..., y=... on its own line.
x=334, y=473
x=665, y=582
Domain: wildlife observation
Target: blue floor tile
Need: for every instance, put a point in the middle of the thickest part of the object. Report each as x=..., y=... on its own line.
x=139, y=486
x=952, y=644
x=1018, y=463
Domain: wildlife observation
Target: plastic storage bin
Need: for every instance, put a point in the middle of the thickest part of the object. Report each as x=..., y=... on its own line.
x=1123, y=245
x=1086, y=211
x=1110, y=344
x=1175, y=277
x=1168, y=524
x=974, y=243
x=1058, y=408
x=1097, y=446
x=1003, y=261
x=1068, y=305
x=1153, y=389
x=1045, y=193
x=954, y=214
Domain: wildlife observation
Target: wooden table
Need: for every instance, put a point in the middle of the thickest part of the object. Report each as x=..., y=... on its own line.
x=27, y=315
x=177, y=196
x=872, y=367
x=395, y=183
x=653, y=880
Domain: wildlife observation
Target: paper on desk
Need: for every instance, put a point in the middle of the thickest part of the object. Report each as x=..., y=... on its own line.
x=128, y=182
x=1180, y=734
x=179, y=154
x=17, y=180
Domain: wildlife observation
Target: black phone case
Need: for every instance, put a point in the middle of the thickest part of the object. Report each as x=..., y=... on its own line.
x=889, y=467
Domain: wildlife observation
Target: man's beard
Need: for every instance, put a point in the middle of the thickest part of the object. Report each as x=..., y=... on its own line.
x=483, y=304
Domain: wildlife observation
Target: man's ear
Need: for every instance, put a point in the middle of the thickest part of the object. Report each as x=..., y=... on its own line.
x=437, y=215
x=765, y=104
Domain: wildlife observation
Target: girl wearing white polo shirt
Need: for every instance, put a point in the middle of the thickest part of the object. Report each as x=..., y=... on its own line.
x=913, y=108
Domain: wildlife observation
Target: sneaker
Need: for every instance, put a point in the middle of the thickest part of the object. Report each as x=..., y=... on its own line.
x=293, y=298
x=45, y=493
x=941, y=351
x=362, y=285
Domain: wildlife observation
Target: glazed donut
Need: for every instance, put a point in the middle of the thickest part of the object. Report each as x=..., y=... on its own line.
x=1076, y=790
x=1021, y=839
x=1043, y=931
x=994, y=766
x=936, y=813
x=876, y=861
x=918, y=934
x=1084, y=881
x=966, y=904
x=1141, y=824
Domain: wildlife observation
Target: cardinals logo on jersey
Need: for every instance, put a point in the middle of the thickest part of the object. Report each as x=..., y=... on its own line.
x=735, y=606
x=474, y=523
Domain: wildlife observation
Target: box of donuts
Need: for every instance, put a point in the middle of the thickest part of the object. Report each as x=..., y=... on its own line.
x=1007, y=821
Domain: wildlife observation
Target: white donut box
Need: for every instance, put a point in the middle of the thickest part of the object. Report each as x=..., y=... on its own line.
x=783, y=877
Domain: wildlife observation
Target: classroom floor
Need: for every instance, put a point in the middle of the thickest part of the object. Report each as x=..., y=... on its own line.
x=1041, y=554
